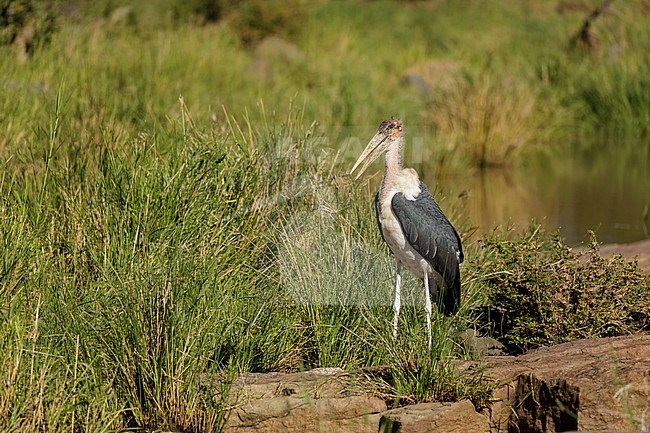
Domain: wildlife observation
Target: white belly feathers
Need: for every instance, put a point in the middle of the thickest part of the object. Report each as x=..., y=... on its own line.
x=408, y=184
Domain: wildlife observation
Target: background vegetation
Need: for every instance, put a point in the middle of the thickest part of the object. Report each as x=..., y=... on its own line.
x=149, y=242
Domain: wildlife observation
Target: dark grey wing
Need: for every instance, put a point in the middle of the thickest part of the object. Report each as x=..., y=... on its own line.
x=431, y=234
x=377, y=205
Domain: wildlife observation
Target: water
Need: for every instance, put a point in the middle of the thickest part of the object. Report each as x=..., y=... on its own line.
x=607, y=191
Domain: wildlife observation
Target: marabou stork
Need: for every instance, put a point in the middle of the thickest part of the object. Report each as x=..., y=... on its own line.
x=411, y=223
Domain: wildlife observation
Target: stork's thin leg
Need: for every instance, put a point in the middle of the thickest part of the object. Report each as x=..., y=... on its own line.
x=427, y=307
x=398, y=300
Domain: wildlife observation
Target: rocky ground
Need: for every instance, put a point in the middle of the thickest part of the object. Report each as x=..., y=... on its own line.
x=586, y=385
x=593, y=385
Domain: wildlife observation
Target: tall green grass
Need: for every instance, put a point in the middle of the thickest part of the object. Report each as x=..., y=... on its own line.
x=135, y=271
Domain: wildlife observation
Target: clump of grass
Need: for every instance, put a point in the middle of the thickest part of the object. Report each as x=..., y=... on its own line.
x=41, y=390
x=541, y=293
x=421, y=376
x=488, y=119
x=618, y=103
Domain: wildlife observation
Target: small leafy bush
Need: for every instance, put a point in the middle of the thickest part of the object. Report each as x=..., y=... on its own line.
x=26, y=22
x=543, y=293
x=202, y=10
x=253, y=20
x=250, y=20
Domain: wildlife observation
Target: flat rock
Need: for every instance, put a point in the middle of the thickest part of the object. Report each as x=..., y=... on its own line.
x=599, y=385
x=460, y=416
x=317, y=400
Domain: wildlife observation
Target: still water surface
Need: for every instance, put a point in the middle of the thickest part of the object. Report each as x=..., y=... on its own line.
x=607, y=191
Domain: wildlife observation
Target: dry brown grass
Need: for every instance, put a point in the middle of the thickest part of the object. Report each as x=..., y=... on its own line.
x=489, y=119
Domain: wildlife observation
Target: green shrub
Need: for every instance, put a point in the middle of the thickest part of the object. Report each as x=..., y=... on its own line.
x=25, y=22
x=543, y=293
x=201, y=10
x=253, y=20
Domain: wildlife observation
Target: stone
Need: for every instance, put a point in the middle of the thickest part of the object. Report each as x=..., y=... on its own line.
x=460, y=416
x=324, y=399
x=480, y=345
x=588, y=377
x=431, y=75
x=275, y=53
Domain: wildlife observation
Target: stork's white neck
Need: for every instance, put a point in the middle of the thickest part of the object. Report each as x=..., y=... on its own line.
x=396, y=177
x=393, y=158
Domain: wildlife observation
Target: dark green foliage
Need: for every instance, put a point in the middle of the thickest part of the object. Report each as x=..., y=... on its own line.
x=622, y=95
x=541, y=293
x=253, y=20
x=27, y=22
x=201, y=10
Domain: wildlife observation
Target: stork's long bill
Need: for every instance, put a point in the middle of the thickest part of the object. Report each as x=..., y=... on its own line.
x=387, y=134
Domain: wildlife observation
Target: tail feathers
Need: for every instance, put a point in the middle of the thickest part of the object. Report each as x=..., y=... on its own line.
x=447, y=295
